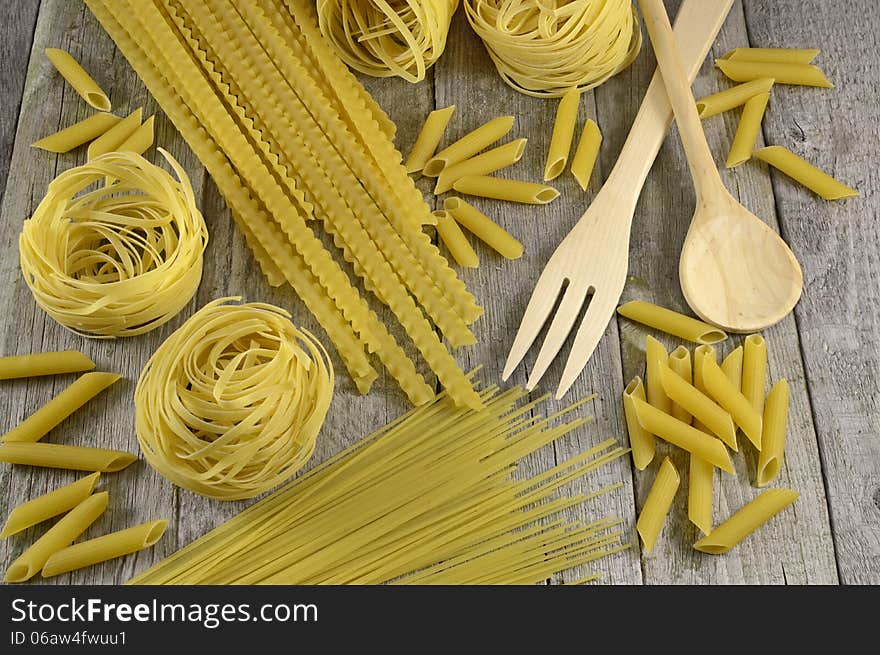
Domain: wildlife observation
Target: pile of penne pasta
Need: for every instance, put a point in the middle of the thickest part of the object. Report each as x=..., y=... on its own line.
x=693, y=403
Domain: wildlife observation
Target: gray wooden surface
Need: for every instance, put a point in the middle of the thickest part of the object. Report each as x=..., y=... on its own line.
x=828, y=349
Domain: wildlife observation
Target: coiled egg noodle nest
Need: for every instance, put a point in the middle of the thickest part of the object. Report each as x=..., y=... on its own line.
x=230, y=405
x=115, y=247
x=544, y=48
x=384, y=38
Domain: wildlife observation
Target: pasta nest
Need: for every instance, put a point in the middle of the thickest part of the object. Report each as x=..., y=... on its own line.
x=119, y=259
x=387, y=38
x=545, y=48
x=230, y=405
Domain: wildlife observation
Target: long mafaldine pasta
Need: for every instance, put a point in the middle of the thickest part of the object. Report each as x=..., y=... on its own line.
x=116, y=135
x=50, y=363
x=732, y=367
x=484, y=228
x=469, y=145
x=701, y=482
x=671, y=322
x=773, y=438
x=735, y=96
x=803, y=172
x=141, y=139
x=586, y=153
x=754, y=370
x=680, y=363
x=482, y=164
x=77, y=134
x=104, y=548
x=562, y=134
x=698, y=405
x=641, y=442
x=50, y=504
x=429, y=138
x=782, y=73
x=78, y=78
x=58, y=456
x=455, y=241
x=746, y=520
x=487, y=186
x=747, y=131
x=721, y=390
x=655, y=360
x=59, y=536
x=86, y=387
x=773, y=55
x=656, y=507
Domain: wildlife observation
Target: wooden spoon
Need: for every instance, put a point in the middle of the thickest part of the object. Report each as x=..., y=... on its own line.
x=735, y=271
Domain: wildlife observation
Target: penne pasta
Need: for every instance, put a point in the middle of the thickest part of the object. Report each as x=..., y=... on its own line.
x=773, y=438
x=816, y=180
x=37, y=364
x=141, y=139
x=747, y=130
x=487, y=186
x=78, y=78
x=468, y=145
x=746, y=520
x=725, y=394
x=484, y=228
x=733, y=97
x=429, y=138
x=562, y=135
x=110, y=140
x=782, y=73
x=701, y=481
x=680, y=363
x=641, y=442
x=48, y=505
x=754, y=371
x=686, y=437
x=73, y=458
x=59, y=536
x=483, y=164
x=655, y=360
x=699, y=353
x=104, y=548
x=586, y=153
x=657, y=504
x=732, y=367
x=77, y=134
x=773, y=55
x=86, y=387
x=670, y=322
x=455, y=241
x=703, y=408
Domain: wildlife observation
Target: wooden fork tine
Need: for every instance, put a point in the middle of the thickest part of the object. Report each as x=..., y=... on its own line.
x=566, y=315
x=592, y=328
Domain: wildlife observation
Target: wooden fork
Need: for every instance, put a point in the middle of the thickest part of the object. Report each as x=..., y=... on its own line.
x=593, y=259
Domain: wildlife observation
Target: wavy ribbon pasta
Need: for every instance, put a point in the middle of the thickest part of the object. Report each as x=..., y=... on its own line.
x=231, y=403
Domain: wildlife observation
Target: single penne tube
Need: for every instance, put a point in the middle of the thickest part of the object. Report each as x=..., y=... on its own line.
x=680, y=363
x=641, y=442
x=562, y=135
x=73, y=458
x=671, y=322
x=37, y=364
x=732, y=367
x=719, y=388
x=586, y=153
x=48, y=505
x=78, y=78
x=77, y=134
x=682, y=435
x=657, y=505
x=782, y=73
x=429, y=138
x=754, y=371
x=714, y=418
x=499, y=188
x=468, y=145
x=655, y=360
x=699, y=353
x=747, y=130
x=59, y=536
x=701, y=482
x=116, y=135
x=800, y=170
x=455, y=241
x=104, y=548
x=141, y=139
x=773, y=55
x=86, y=387
x=773, y=438
x=746, y=520
x=733, y=97
x=488, y=162
x=484, y=228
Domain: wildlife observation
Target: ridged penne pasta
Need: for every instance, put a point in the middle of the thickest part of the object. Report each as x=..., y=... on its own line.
x=79, y=80
x=754, y=370
x=482, y=164
x=746, y=520
x=725, y=394
x=48, y=505
x=59, y=536
x=141, y=139
x=773, y=55
x=773, y=438
x=701, y=482
x=747, y=130
x=586, y=153
x=468, y=145
x=680, y=363
x=104, y=548
x=455, y=241
x=429, y=138
x=782, y=73
x=486, y=186
x=641, y=442
x=73, y=458
x=77, y=134
x=732, y=367
x=116, y=135
x=701, y=407
x=655, y=360
x=484, y=228
x=733, y=97
x=671, y=322
x=803, y=172
x=37, y=364
x=86, y=387
x=657, y=504
x=562, y=135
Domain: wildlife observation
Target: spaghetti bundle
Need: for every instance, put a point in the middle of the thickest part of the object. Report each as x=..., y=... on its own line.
x=383, y=39
x=120, y=259
x=546, y=48
x=230, y=405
